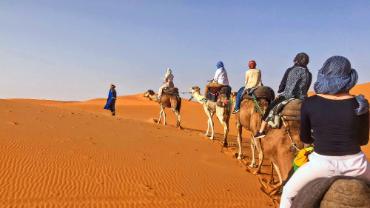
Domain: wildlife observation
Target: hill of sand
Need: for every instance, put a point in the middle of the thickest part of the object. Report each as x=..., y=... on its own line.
x=74, y=153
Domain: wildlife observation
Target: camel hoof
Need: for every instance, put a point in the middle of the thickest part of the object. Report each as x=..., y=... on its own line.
x=225, y=144
x=240, y=157
x=256, y=172
x=252, y=165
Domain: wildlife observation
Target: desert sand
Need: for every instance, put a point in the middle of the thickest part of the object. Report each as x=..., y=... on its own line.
x=60, y=154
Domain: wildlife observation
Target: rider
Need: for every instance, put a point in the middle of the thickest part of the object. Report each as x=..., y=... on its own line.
x=295, y=84
x=167, y=82
x=220, y=78
x=252, y=80
x=337, y=123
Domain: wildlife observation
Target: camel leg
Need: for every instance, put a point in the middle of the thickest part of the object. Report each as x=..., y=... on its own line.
x=240, y=131
x=272, y=174
x=208, y=126
x=226, y=132
x=253, y=147
x=276, y=188
x=212, y=128
x=160, y=115
x=260, y=155
x=164, y=118
x=208, y=121
x=224, y=122
x=178, y=119
x=277, y=169
x=269, y=189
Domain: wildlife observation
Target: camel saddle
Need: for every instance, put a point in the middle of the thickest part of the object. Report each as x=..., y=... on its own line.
x=289, y=110
x=321, y=193
x=215, y=91
x=171, y=91
x=260, y=92
x=292, y=110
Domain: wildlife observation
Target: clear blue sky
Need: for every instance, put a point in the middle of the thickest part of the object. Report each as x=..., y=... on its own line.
x=73, y=49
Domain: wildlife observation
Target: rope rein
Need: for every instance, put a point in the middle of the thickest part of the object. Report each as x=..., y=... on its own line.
x=256, y=104
x=287, y=129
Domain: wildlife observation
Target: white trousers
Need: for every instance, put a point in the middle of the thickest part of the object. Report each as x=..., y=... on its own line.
x=320, y=166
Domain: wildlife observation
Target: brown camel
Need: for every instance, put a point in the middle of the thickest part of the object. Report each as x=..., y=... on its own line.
x=279, y=146
x=172, y=101
x=250, y=116
x=211, y=108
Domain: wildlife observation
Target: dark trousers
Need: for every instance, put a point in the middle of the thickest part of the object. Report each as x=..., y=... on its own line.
x=274, y=103
x=112, y=107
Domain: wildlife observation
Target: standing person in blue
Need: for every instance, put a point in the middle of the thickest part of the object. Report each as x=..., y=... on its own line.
x=295, y=84
x=337, y=123
x=252, y=80
x=111, y=100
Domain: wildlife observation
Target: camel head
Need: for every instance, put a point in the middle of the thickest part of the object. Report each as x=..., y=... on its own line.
x=197, y=95
x=233, y=95
x=149, y=93
x=195, y=89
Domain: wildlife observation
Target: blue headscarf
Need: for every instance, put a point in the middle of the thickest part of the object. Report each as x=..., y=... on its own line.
x=335, y=76
x=363, y=105
x=220, y=64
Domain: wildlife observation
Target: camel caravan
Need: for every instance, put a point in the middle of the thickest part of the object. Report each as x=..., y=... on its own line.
x=312, y=143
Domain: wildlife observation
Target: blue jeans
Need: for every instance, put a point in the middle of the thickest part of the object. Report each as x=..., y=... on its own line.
x=239, y=98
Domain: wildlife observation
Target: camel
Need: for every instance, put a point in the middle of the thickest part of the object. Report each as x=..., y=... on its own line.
x=279, y=147
x=211, y=108
x=249, y=117
x=172, y=101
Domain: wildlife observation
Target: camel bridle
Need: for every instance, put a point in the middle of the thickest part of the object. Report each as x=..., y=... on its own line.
x=257, y=105
x=294, y=147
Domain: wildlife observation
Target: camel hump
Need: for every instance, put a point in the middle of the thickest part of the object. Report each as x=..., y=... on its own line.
x=339, y=191
x=347, y=193
x=171, y=91
x=292, y=110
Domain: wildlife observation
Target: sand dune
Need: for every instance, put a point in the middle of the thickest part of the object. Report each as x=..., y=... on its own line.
x=61, y=156
x=74, y=153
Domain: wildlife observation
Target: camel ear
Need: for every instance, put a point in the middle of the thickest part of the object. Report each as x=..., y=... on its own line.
x=196, y=88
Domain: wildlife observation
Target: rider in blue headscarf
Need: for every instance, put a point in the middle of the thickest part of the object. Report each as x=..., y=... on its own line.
x=111, y=100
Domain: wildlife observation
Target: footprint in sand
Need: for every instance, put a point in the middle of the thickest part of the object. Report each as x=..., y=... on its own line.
x=14, y=123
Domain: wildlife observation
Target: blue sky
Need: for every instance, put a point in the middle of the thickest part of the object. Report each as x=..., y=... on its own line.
x=73, y=49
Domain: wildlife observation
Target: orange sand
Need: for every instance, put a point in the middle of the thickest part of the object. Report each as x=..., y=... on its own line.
x=74, y=153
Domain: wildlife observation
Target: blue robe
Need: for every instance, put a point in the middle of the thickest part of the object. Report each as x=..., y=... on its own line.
x=111, y=101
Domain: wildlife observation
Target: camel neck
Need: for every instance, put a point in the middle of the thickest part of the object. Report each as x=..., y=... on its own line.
x=200, y=98
x=154, y=97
